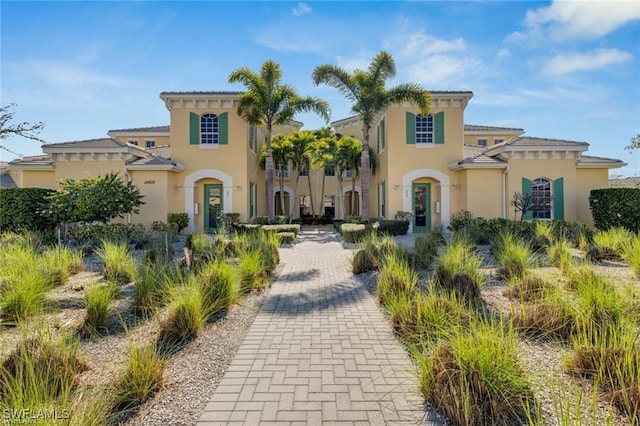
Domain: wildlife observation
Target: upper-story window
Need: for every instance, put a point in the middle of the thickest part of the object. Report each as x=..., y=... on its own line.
x=482, y=143
x=133, y=142
x=424, y=128
x=150, y=144
x=282, y=171
x=253, y=137
x=381, y=135
x=304, y=171
x=329, y=170
x=497, y=141
x=209, y=130
x=541, y=192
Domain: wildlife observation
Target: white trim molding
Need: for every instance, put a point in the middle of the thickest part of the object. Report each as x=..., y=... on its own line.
x=443, y=179
x=189, y=189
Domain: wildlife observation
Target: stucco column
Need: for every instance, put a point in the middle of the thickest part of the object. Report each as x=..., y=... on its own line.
x=445, y=206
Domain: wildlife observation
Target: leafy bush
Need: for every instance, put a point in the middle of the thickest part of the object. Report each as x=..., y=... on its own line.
x=353, y=233
x=24, y=209
x=615, y=207
x=92, y=234
x=391, y=227
x=294, y=228
x=178, y=221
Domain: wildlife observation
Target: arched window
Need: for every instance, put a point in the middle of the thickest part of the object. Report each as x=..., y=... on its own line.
x=424, y=128
x=541, y=192
x=209, y=130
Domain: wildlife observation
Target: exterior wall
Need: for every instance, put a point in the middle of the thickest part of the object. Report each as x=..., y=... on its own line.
x=403, y=158
x=36, y=179
x=544, y=168
x=154, y=185
x=588, y=179
x=77, y=168
x=480, y=192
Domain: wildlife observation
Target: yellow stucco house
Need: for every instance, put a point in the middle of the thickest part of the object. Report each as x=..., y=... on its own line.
x=206, y=161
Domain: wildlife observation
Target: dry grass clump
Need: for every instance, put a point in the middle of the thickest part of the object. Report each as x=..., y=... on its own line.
x=475, y=378
x=97, y=303
x=429, y=317
x=529, y=289
x=219, y=286
x=609, y=244
x=185, y=318
x=628, y=400
x=548, y=319
x=396, y=280
x=457, y=270
x=559, y=254
x=611, y=367
x=426, y=247
x=515, y=256
x=363, y=261
x=631, y=254
x=119, y=266
x=140, y=380
x=42, y=369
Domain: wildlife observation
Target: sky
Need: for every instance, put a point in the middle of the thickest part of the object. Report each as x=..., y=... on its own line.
x=557, y=69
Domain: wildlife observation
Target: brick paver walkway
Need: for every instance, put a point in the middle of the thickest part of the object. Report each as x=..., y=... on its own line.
x=319, y=352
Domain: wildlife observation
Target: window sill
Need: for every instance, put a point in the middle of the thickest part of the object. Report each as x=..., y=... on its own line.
x=209, y=146
x=425, y=145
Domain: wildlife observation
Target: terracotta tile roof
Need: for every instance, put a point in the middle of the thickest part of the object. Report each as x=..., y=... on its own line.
x=475, y=127
x=152, y=129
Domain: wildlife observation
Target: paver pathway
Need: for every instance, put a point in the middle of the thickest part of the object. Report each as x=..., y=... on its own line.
x=319, y=352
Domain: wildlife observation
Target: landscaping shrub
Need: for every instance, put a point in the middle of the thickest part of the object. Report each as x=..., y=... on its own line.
x=559, y=254
x=184, y=319
x=115, y=232
x=252, y=272
x=548, y=319
x=119, y=265
x=609, y=244
x=457, y=270
x=97, y=303
x=631, y=254
x=474, y=378
x=429, y=317
x=58, y=263
x=152, y=282
x=141, y=379
x=396, y=280
x=354, y=232
x=529, y=288
x=178, y=221
x=391, y=227
x=24, y=299
x=39, y=372
x=24, y=209
x=628, y=401
x=286, y=237
x=362, y=261
x=515, y=257
x=615, y=207
x=292, y=228
x=219, y=286
x=543, y=236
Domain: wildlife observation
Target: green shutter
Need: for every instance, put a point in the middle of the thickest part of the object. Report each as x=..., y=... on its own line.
x=439, y=127
x=378, y=138
x=527, y=188
x=194, y=129
x=223, y=129
x=411, y=128
x=558, y=198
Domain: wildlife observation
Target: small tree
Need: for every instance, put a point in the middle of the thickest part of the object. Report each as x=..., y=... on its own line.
x=634, y=143
x=97, y=198
x=24, y=129
x=524, y=203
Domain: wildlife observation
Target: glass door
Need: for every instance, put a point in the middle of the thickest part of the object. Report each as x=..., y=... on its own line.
x=421, y=207
x=212, y=206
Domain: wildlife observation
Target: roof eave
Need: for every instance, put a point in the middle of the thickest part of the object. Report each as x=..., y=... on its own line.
x=601, y=165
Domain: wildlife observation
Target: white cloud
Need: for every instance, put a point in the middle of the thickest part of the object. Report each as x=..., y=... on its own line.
x=577, y=19
x=444, y=71
x=421, y=43
x=301, y=9
x=503, y=53
x=69, y=76
x=568, y=63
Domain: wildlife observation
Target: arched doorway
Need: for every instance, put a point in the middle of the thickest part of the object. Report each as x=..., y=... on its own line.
x=419, y=196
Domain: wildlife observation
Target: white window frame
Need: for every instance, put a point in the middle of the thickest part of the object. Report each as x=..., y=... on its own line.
x=424, y=130
x=482, y=142
x=545, y=185
x=211, y=134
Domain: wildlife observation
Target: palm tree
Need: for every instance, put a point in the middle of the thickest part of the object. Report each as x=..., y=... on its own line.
x=281, y=152
x=321, y=154
x=267, y=103
x=299, y=161
x=348, y=154
x=368, y=96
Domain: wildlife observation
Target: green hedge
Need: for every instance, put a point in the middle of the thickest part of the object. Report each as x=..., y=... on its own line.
x=286, y=237
x=134, y=234
x=21, y=208
x=355, y=232
x=282, y=228
x=613, y=207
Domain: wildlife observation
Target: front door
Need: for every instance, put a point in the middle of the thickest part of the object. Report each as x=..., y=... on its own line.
x=212, y=207
x=421, y=207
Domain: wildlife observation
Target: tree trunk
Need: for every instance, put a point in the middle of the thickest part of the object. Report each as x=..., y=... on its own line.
x=313, y=210
x=295, y=203
x=353, y=195
x=321, y=201
x=341, y=197
x=268, y=173
x=282, y=209
x=365, y=173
